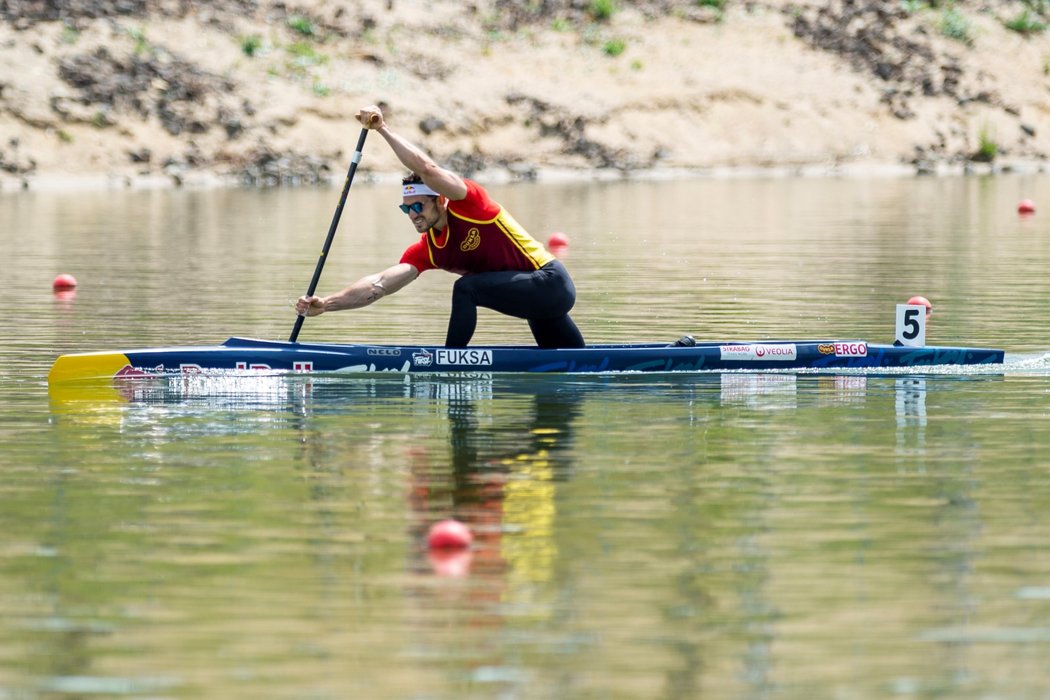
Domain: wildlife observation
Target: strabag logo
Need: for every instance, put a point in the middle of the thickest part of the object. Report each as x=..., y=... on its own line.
x=464, y=356
x=779, y=352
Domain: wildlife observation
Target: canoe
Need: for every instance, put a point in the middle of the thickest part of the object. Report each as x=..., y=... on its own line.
x=253, y=355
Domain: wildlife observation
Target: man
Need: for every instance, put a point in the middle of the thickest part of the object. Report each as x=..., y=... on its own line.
x=463, y=231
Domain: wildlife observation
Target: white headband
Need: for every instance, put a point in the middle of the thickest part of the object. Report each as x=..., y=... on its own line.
x=417, y=189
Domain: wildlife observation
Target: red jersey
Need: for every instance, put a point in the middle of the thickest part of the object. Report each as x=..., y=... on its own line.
x=480, y=237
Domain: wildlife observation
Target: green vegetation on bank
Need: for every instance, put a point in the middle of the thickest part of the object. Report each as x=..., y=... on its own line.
x=955, y=23
x=1027, y=22
x=302, y=25
x=987, y=148
x=251, y=44
x=603, y=10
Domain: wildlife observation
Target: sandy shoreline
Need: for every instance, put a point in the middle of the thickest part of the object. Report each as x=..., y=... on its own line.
x=172, y=99
x=204, y=180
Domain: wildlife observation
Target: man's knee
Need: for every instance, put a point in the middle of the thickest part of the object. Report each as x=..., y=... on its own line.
x=463, y=287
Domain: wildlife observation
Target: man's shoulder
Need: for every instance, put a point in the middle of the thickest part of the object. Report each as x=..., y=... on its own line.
x=418, y=255
x=477, y=204
x=474, y=190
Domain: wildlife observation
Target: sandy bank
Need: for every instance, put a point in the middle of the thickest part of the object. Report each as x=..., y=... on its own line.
x=207, y=94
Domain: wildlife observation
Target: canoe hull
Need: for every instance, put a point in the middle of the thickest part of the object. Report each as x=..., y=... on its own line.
x=247, y=354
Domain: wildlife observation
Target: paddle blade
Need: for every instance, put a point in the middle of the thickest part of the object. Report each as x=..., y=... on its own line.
x=86, y=366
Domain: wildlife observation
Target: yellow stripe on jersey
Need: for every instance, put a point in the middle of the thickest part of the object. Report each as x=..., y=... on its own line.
x=526, y=244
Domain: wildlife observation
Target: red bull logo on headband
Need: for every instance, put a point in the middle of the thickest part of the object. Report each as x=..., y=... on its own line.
x=417, y=189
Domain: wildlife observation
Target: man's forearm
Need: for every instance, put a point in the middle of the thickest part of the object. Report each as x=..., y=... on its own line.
x=442, y=181
x=410, y=155
x=372, y=288
x=361, y=293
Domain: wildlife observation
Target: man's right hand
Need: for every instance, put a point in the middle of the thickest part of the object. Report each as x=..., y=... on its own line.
x=309, y=306
x=371, y=117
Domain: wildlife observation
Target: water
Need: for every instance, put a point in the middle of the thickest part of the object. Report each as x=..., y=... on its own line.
x=740, y=535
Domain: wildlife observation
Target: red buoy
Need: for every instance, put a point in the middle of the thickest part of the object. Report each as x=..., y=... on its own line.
x=922, y=301
x=64, y=282
x=558, y=240
x=449, y=534
x=1026, y=206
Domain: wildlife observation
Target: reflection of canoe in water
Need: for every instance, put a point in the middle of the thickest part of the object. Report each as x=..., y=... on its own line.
x=246, y=354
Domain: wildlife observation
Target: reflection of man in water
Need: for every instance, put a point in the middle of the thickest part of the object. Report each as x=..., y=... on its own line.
x=502, y=482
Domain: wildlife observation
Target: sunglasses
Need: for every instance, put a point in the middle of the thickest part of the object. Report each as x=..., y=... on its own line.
x=414, y=207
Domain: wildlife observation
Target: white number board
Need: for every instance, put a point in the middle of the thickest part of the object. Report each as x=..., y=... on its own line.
x=911, y=325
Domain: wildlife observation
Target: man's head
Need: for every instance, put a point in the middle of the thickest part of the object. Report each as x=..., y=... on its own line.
x=423, y=205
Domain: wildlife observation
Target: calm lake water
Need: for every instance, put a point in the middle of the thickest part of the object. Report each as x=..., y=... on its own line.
x=741, y=535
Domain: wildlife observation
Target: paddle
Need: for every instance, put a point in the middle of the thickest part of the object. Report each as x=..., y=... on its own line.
x=331, y=231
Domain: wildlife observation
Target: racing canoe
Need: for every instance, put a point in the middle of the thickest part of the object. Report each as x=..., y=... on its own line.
x=253, y=355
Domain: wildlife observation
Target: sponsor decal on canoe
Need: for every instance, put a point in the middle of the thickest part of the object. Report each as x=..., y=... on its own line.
x=464, y=356
x=844, y=349
x=129, y=372
x=240, y=365
x=423, y=358
x=851, y=349
x=770, y=352
x=385, y=352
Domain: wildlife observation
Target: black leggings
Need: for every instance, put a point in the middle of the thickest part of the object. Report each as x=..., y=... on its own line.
x=543, y=297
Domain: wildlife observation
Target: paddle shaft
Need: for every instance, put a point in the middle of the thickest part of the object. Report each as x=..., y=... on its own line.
x=331, y=231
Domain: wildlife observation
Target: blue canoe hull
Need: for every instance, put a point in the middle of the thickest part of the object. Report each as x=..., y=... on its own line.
x=254, y=355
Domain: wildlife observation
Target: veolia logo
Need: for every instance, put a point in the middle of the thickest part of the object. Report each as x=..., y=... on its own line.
x=759, y=351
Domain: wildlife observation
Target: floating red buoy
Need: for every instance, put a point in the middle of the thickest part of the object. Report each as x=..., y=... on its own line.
x=922, y=301
x=449, y=534
x=1026, y=206
x=558, y=240
x=64, y=282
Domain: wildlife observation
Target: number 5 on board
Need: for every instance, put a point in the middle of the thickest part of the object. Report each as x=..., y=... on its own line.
x=911, y=325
